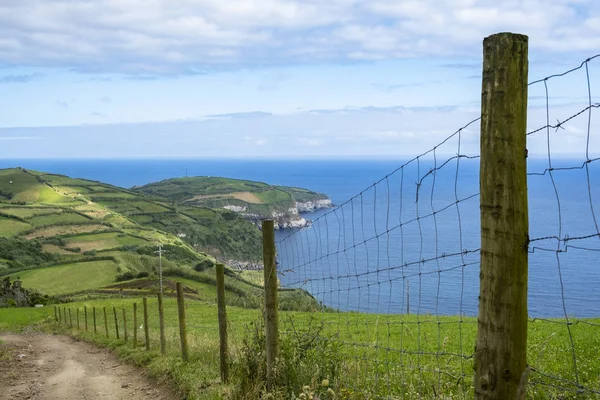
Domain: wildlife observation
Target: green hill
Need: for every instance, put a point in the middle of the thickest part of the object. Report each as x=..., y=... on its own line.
x=247, y=197
x=65, y=236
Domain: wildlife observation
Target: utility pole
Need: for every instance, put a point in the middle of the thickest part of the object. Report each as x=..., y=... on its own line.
x=160, y=280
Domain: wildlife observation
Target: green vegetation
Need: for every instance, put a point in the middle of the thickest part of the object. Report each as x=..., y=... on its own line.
x=256, y=197
x=10, y=227
x=69, y=278
x=359, y=355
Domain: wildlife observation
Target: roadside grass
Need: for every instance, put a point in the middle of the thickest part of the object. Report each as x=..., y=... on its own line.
x=69, y=278
x=402, y=356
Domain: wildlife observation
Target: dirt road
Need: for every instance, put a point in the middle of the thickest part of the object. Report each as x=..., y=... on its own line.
x=51, y=367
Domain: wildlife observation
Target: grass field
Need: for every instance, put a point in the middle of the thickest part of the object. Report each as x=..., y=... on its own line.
x=101, y=241
x=11, y=227
x=69, y=278
x=62, y=218
x=393, y=356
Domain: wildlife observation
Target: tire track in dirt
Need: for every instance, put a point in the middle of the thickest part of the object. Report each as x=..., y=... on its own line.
x=49, y=367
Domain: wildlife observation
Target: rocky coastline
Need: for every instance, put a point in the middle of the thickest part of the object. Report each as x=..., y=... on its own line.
x=285, y=219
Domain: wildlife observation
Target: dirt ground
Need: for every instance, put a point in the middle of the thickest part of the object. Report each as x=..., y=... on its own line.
x=51, y=367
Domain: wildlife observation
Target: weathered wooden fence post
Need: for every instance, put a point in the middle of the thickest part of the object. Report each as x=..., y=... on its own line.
x=105, y=322
x=85, y=318
x=94, y=318
x=146, y=331
x=78, y=326
x=124, y=325
x=135, y=328
x=65, y=315
x=161, y=322
x=55, y=314
x=500, y=355
x=70, y=319
x=220, y=270
x=116, y=322
x=59, y=315
x=271, y=304
x=182, y=331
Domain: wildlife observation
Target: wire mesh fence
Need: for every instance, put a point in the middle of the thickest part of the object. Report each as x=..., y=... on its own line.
x=396, y=267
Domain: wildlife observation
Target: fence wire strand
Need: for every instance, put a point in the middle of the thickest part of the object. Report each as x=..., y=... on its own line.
x=395, y=267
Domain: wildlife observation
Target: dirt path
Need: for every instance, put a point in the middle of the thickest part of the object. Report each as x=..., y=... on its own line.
x=57, y=367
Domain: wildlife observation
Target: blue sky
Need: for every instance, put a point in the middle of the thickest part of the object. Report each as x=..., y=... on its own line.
x=272, y=78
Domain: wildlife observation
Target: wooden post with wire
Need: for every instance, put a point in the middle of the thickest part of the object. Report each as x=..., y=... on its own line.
x=135, y=326
x=161, y=322
x=105, y=321
x=271, y=304
x=94, y=319
x=146, y=331
x=224, y=356
x=501, y=350
x=124, y=325
x=182, y=329
x=116, y=322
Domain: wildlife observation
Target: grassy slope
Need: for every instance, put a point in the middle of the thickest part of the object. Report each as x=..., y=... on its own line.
x=92, y=241
x=69, y=278
x=219, y=190
x=364, y=345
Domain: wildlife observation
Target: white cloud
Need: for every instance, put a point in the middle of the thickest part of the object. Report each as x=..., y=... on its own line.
x=167, y=37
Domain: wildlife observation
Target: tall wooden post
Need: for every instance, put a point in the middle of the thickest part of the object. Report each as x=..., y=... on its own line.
x=78, y=326
x=65, y=315
x=55, y=314
x=146, y=329
x=271, y=304
x=105, y=322
x=161, y=322
x=70, y=319
x=116, y=322
x=220, y=270
x=59, y=315
x=135, y=328
x=500, y=355
x=182, y=330
x=85, y=318
x=124, y=325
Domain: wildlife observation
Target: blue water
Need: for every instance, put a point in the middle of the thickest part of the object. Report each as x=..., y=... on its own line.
x=382, y=251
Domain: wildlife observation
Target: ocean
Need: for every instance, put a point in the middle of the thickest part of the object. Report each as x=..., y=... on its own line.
x=395, y=248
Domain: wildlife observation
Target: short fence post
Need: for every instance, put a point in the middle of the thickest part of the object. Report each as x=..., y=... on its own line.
x=65, y=315
x=220, y=270
x=105, y=322
x=70, y=319
x=146, y=331
x=85, y=318
x=182, y=332
x=135, y=325
x=55, y=314
x=116, y=322
x=501, y=351
x=124, y=325
x=94, y=318
x=78, y=326
x=59, y=315
x=271, y=305
x=161, y=320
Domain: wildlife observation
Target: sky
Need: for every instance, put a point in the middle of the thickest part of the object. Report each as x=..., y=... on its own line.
x=278, y=78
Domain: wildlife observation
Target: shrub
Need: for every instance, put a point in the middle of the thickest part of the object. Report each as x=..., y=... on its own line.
x=204, y=265
x=308, y=363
